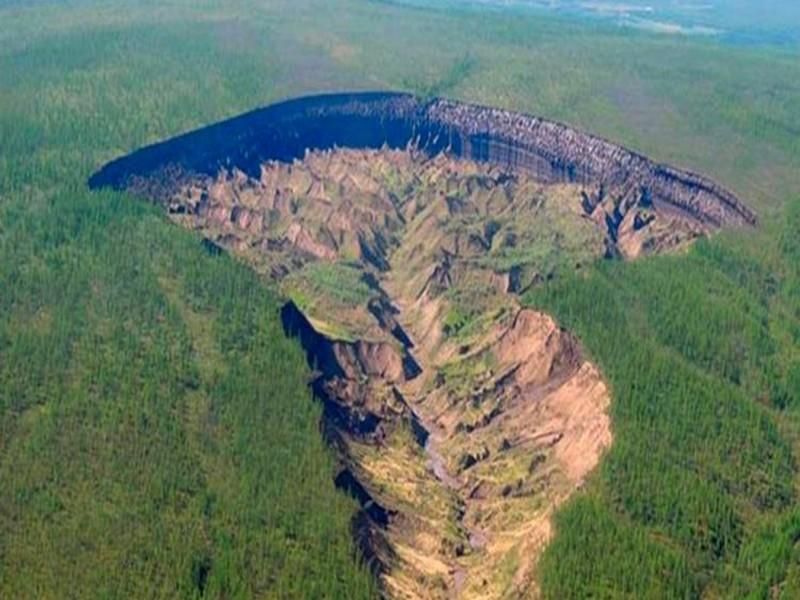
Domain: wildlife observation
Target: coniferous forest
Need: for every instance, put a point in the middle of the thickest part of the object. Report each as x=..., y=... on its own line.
x=158, y=438
x=698, y=492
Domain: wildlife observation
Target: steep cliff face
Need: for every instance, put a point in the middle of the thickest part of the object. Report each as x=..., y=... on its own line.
x=347, y=371
x=402, y=232
x=551, y=152
x=557, y=152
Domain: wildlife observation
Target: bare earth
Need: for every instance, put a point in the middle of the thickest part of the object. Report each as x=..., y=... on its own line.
x=462, y=420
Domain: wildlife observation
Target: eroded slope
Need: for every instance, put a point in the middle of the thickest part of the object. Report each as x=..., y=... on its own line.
x=462, y=420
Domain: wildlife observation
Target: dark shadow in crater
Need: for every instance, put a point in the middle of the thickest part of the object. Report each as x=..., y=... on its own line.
x=551, y=152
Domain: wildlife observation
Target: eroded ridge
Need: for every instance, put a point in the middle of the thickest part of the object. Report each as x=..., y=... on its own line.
x=462, y=420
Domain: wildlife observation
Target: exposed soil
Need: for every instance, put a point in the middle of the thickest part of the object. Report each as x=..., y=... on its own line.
x=462, y=420
x=459, y=436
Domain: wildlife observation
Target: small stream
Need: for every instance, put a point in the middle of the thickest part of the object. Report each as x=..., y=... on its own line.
x=438, y=465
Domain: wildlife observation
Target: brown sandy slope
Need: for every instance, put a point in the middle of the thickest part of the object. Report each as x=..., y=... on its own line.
x=462, y=421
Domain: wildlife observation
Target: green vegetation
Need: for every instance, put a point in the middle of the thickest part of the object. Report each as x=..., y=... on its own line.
x=550, y=239
x=156, y=436
x=698, y=491
x=341, y=283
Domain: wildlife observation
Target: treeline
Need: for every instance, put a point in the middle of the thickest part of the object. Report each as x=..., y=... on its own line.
x=158, y=437
x=697, y=493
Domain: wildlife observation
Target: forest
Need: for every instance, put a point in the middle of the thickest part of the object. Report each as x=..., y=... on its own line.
x=157, y=435
x=698, y=493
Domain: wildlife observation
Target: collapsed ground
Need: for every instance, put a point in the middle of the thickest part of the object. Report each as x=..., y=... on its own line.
x=83, y=85
x=461, y=419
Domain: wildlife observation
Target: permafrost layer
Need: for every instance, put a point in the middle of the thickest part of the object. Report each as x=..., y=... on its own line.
x=551, y=151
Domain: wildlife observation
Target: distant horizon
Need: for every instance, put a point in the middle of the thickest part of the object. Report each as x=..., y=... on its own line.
x=772, y=22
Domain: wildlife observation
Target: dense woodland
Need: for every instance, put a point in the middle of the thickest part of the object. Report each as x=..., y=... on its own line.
x=157, y=435
x=157, y=438
x=698, y=493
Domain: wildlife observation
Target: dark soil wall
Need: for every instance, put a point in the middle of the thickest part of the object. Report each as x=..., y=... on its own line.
x=551, y=151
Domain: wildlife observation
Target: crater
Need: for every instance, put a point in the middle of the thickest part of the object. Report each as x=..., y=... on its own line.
x=402, y=232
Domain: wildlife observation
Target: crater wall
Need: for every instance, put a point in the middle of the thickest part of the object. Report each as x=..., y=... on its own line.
x=403, y=231
x=550, y=151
